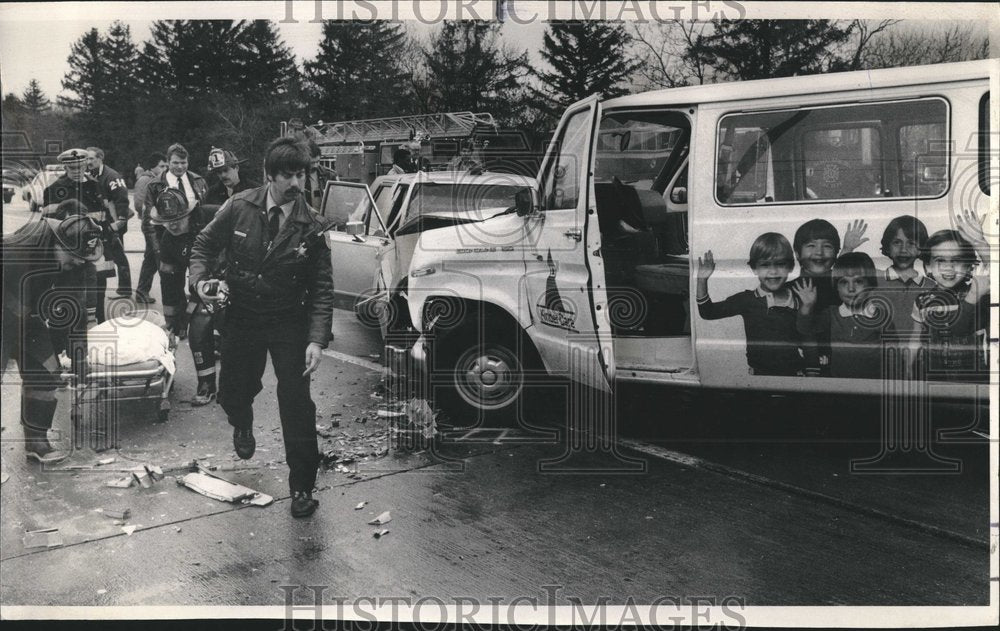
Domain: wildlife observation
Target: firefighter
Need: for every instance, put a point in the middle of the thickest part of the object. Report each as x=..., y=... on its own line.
x=115, y=192
x=44, y=281
x=225, y=165
x=181, y=224
x=78, y=184
x=189, y=183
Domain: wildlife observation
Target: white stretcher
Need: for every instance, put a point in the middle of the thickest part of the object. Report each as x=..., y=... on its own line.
x=128, y=359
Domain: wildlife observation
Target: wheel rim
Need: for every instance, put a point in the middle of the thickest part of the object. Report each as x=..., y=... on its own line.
x=489, y=377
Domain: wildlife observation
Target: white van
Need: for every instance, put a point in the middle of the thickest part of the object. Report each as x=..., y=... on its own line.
x=596, y=275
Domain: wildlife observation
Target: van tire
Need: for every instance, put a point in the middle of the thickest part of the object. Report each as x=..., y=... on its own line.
x=483, y=382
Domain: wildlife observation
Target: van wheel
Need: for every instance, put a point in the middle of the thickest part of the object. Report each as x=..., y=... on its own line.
x=483, y=379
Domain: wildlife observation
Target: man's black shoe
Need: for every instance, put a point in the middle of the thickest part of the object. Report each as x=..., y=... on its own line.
x=244, y=443
x=303, y=504
x=144, y=298
x=125, y=292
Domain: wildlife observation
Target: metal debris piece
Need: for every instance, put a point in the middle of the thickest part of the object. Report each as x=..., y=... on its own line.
x=384, y=518
x=117, y=513
x=104, y=461
x=378, y=534
x=120, y=483
x=215, y=488
x=142, y=477
x=360, y=505
x=128, y=530
x=155, y=472
x=262, y=500
x=43, y=538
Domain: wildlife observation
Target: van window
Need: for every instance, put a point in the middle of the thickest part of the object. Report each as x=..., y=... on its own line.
x=869, y=151
x=560, y=186
x=984, y=143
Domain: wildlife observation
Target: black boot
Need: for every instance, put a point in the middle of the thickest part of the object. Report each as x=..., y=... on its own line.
x=37, y=419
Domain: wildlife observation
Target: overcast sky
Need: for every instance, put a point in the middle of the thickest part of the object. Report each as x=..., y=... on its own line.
x=35, y=38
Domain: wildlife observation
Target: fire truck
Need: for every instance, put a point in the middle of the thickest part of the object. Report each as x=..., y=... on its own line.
x=361, y=150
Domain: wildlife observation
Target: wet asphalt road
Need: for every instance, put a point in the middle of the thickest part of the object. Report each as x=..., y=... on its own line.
x=702, y=495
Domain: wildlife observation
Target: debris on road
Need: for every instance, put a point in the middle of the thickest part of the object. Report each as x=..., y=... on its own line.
x=223, y=490
x=115, y=513
x=128, y=530
x=378, y=534
x=106, y=461
x=142, y=477
x=384, y=518
x=360, y=505
x=42, y=538
x=4, y=477
x=120, y=483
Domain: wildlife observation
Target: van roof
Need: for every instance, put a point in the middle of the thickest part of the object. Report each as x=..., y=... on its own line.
x=831, y=82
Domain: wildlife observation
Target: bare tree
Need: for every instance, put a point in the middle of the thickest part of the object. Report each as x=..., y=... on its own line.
x=661, y=47
x=896, y=47
x=863, y=31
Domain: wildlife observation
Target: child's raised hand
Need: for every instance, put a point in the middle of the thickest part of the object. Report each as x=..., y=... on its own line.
x=969, y=225
x=706, y=265
x=853, y=236
x=806, y=291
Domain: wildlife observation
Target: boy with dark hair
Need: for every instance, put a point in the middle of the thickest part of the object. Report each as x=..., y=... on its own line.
x=817, y=245
x=853, y=327
x=901, y=283
x=768, y=311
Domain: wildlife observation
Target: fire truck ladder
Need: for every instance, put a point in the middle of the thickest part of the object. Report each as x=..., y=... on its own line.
x=449, y=124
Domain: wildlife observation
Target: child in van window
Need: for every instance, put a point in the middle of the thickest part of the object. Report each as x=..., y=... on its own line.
x=853, y=326
x=953, y=317
x=901, y=283
x=768, y=311
x=817, y=244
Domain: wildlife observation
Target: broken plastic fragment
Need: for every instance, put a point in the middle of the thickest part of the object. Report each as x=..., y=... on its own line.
x=360, y=505
x=117, y=513
x=378, y=534
x=120, y=483
x=106, y=460
x=43, y=538
x=128, y=530
x=384, y=518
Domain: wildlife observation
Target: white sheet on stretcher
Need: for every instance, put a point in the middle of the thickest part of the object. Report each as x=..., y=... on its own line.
x=123, y=340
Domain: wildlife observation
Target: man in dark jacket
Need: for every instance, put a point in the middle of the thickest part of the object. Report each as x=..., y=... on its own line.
x=44, y=281
x=154, y=167
x=115, y=192
x=280, y=289
x=225, y=165
x=317, y=176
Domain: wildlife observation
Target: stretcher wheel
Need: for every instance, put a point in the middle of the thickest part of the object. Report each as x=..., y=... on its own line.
x=163, y=414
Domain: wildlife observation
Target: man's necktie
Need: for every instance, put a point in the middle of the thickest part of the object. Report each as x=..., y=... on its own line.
x=274, y=222
x=180, y=187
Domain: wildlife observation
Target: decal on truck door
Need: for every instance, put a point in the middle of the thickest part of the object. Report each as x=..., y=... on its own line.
x=552, y=309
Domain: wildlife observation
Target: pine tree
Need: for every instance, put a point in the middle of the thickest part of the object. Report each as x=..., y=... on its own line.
x=358, y=72
x=468, y=70
x=34, y=99
x=86, y=78
x=760, y=49
x=587, y=57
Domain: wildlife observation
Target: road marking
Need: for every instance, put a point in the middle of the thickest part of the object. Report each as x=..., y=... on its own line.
x=752, y=478
x=357, y=361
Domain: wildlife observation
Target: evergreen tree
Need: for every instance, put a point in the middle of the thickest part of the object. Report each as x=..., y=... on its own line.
x=86, y=78
x=760, y=49
x=587, y=57
x=468, y=70
x=34, y=100
x=358, y=72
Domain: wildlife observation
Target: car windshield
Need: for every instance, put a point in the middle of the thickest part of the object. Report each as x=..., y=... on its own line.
x=460, y=199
